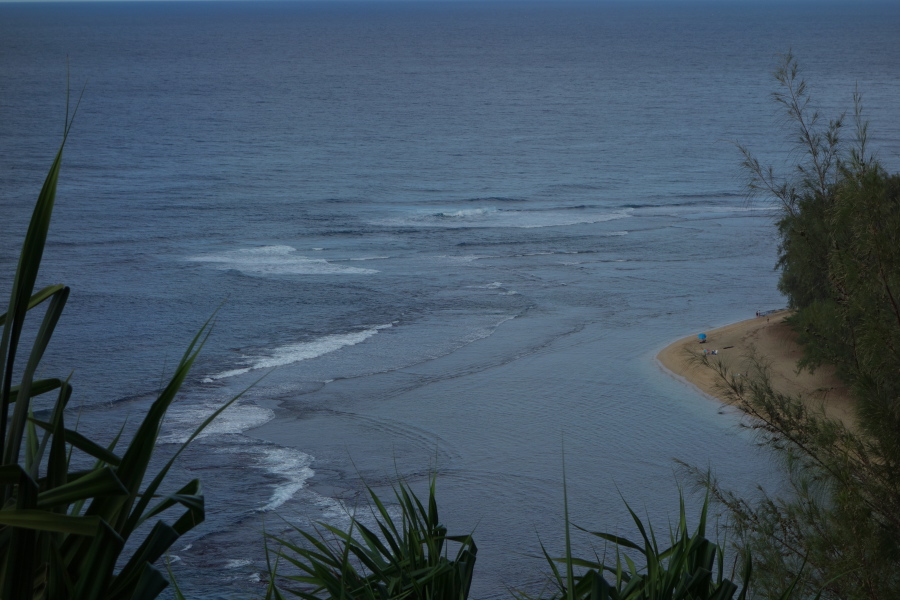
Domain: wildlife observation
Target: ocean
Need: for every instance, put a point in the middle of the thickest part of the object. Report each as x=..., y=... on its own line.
x=450, y=237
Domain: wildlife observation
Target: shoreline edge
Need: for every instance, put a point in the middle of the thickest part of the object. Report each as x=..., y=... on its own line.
x=770, y=337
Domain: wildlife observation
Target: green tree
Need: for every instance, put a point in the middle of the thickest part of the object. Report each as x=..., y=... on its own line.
x=839, y=522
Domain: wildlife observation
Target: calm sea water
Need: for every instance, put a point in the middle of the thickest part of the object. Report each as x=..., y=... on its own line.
x=459, y=233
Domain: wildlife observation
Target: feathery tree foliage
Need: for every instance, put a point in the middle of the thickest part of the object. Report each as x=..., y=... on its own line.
x=839, y=524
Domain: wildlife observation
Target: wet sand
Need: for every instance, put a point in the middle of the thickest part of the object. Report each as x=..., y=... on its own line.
x=771, y=338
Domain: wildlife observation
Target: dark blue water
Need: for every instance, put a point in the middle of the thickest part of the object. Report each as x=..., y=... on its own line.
x=459, y=232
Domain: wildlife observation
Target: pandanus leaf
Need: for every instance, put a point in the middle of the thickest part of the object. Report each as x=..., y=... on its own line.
x=43, y=520
x=84, y=444
x=98, y=483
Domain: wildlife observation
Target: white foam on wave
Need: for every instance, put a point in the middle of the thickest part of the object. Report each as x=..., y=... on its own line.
x=466, y=213
x=465, y=258
x=479, y=333
x=290, y=464
x=491, y=217
x=275, y=260
x=181, y=421
x=234, y=563
x=294, y=353
x=496, y=285
x=339, y=513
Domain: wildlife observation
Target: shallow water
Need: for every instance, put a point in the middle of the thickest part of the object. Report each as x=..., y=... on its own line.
x=458, y=233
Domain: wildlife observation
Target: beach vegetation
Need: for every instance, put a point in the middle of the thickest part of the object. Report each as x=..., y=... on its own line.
x=837, y=526
x=406, y=555
x=690, y=567
x=78, y=518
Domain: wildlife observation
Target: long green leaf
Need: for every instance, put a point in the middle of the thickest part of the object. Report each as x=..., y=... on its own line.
x=23, y=283
x=13, y=475
x=84, y=444
x=138, y=515
x=20, y=553
x=38, y=387
x=98, y=483
x=43, y=520
x=97, y=566
x=151, y=584
x=37, y=298
x=59, y=580
x=58, y=461
x=191, y=497
x=136, y=458
x=157, y=542
x=619, y=541
x=42, y=340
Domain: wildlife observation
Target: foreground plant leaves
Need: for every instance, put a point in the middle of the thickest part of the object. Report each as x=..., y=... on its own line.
x=407, y=557
x=63, y=530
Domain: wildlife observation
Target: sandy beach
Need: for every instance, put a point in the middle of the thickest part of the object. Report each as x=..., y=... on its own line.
x=770, y=337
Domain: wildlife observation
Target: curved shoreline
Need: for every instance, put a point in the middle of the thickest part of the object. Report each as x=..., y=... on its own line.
x=773, y=339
